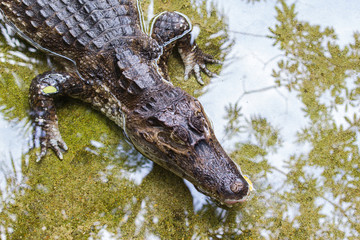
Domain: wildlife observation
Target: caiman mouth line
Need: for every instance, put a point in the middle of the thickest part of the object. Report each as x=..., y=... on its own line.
x=230, y=202
x=227, y=202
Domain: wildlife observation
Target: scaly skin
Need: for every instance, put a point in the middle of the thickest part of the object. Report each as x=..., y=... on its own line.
x=123, y=72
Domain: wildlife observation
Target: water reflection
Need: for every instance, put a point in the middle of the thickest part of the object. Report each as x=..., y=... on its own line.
x=292, y=126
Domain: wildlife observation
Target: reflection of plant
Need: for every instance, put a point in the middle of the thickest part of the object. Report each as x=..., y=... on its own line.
x=316, y=67
x=326, y=176
x=266, y=135
x=233, y=115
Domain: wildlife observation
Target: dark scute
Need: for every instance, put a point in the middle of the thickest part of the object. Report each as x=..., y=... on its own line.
x=202, y=149
x=181, y=134
x=197, y=123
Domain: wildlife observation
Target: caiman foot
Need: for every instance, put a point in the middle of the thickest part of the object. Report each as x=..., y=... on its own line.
x=43, y=90
x=172, y=29
x=195, y=61
x=47, y=135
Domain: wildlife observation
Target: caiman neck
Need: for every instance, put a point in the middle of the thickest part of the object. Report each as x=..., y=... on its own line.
x=140, y=78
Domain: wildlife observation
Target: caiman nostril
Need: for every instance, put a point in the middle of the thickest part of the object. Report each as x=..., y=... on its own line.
x=237, y=186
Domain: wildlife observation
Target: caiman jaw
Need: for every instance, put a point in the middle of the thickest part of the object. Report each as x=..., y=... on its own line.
x=222, y=178
x=231, y=202
x=179, y=137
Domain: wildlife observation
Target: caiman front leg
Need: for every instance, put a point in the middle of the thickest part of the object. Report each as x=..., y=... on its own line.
x=43, y=91
x=172, y=29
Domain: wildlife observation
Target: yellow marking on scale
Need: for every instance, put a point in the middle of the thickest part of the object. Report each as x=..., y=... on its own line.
x=50, y=89
x=251, y=186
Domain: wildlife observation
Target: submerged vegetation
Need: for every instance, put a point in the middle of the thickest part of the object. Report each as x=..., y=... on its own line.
x=319, y=198
x=105, y=187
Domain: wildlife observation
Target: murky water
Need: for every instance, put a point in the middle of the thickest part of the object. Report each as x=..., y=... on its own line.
x=287, y=112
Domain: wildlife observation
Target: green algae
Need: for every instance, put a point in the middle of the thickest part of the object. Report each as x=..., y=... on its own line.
x=91, y=189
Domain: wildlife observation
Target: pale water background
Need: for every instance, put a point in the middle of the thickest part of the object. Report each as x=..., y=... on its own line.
x=302, y=158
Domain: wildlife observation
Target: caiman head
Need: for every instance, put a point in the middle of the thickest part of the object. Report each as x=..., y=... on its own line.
x=171, y=129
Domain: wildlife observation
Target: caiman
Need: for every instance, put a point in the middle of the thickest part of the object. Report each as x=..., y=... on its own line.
x=122, y=71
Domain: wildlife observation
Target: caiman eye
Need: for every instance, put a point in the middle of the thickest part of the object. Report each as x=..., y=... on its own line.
x=152, y=121
x=180, y=135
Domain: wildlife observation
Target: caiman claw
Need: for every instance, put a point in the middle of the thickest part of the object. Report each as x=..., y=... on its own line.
x=49, y=139
x=195, y=61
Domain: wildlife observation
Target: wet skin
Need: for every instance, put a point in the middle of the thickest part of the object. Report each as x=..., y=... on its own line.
x=122, y=72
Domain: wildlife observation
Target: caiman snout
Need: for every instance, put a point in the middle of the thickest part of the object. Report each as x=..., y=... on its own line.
x=218, y=176
x=237, y=186
x=234, y=192
x=239, y=190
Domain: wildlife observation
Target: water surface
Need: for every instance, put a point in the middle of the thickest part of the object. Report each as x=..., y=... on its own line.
x=285, y=105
